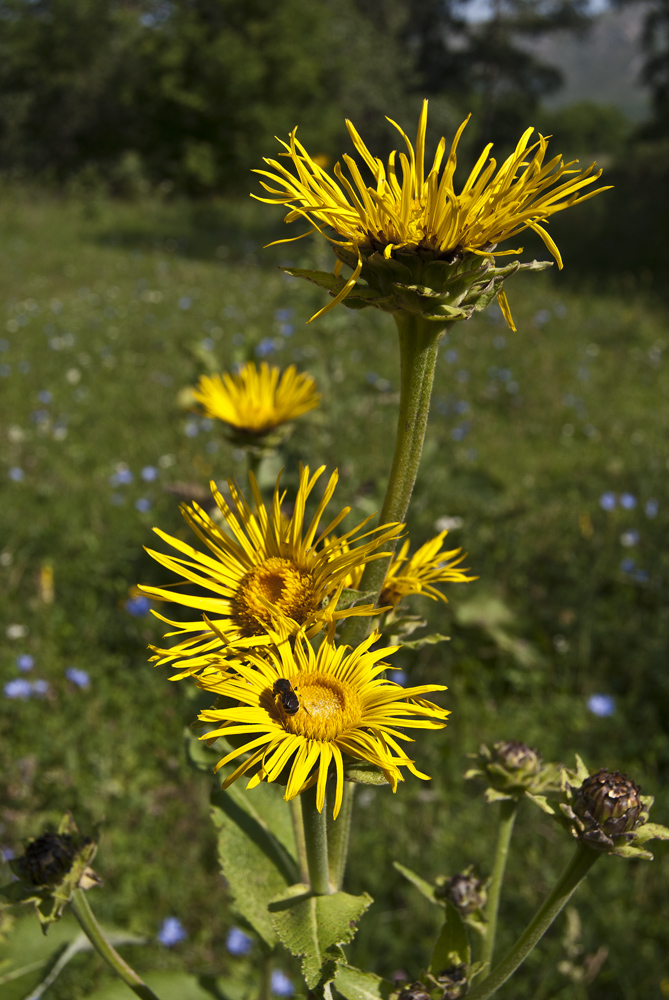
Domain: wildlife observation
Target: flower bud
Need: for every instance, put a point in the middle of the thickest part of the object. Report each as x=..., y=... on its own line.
x=608, y=802
x=47, y=859
x=466, y=892
x=513, y=770
x=516, y=756
x=453, y=981
x=415, y=991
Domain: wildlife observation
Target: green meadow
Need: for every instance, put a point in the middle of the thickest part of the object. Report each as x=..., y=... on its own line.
x=547, y=456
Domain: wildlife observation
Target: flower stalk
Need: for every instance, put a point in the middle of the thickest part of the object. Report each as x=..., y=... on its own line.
x=507, y=817
x=95, y=935
x=578, y=867
x=316, y=842
x=339, y=832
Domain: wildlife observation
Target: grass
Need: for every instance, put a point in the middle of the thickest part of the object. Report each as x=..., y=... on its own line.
x=110, y=311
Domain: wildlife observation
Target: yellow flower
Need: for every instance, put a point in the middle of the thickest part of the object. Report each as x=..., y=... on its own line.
x=405, y=209
x=257, y=401
x=345, y=708
x=261, y=569
x=417, y=575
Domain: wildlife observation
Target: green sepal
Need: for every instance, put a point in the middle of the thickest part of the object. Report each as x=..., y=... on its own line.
x=363, y=773
x=350, y=597
x=256, y=851
x=452, y=947
x=313, y=929
x=423, y=886
x=475, y=969
x=651, y=831
x=542, y=802
x=354, y=984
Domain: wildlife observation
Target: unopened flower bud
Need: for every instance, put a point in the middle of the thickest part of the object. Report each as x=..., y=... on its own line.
x=516, y=756
x=609, y=802
x=47, y=859
x=466, y=892
x=453, y=981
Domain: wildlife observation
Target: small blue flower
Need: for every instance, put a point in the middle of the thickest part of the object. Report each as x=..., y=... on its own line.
x=78, y=677
x=286, y=329
x=629, y=538
x=281, y=985
x=40, y=687
x=18, y=688
x=627, y=565
x=143, y=505
x=237, y=942
x=25, y=661
x=191, y=428
x=398, y=676
x=541, y=317
x=122, y=477
x=451, y=355
x=283, y=315
x=171, y=932
x=265, y=347
x=206, y=424
x=44, y=396
x=602, y=705
x=16, y=474
x=185, y=302
x=627, y=501
x=138, y=606
x=149, y=473
x=652, y=507
x=608, y=501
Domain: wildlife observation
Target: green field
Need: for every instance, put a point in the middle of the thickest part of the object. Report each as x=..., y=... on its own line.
x=109, y=310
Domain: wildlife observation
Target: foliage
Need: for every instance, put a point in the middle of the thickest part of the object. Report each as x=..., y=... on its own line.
x=112, y=309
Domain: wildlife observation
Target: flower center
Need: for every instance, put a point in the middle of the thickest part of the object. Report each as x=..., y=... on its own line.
x=328, y=707
x=281, y=584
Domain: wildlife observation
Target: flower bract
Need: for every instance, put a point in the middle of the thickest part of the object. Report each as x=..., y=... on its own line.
x=346, y=708
x=257, y=400
x=410, y=206
x=262, y=567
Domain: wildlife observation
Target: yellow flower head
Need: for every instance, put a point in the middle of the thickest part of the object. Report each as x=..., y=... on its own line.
x=417, y=575
x=341, y=706
x=410, y=208
x=257, y=400
x=261, y=568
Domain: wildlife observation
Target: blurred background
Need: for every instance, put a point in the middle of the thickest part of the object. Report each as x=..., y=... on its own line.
x=132, y=261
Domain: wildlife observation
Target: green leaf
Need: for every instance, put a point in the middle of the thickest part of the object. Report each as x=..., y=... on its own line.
x=199, y=756
x=452, y=947
x=426, y=640
x=541, y=801
x=256, y=850
x=313, y=928
x=357, y=985
x=420, y=883
x=651, y=831
x=350, y=597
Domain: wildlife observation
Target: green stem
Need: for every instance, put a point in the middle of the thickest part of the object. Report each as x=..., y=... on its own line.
x=266, y=973
x=507, y=816
x=95, y=935
x=298, y=830
x=316, y=841
x=339, y=830
x=579, y=866
x=419, y=344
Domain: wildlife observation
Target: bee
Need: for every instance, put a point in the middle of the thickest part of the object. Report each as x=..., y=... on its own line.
x=284, y=689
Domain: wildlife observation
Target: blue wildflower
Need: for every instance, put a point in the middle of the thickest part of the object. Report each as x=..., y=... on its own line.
x=171, y=932
x=608, y=501
x=185, y=302
x=143, y=505
x=138, y=606
x=237, y=942
x=652, y=507
x=629, y=538
x=40, y=687
x=281, y=985
x=149, y=473
x=44, y=396
x=78, y=677
x=602, y=705
x=191, y=428
x=627, y=565
x=451, y=355
x=265, y=347
x=122, y=477
x=628, y=501
x=25, y=661
x=19, y=687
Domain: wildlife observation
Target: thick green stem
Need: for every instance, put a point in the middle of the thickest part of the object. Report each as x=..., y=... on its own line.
x=316, y=842
x=298, y=830
x=419, y=344
x=339, y=830
x=508, y=810
x=266, y=973
x=579, y=866
x=95, y=935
